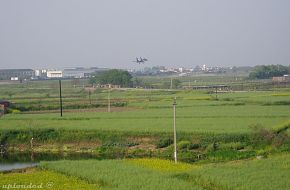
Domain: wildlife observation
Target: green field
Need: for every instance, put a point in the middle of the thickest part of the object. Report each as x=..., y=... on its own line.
x=232, y=119
x=145, y=110
x=221, y=136
x=40, y=179
x=270, y=173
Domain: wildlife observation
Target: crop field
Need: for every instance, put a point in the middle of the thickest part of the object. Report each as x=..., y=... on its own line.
x=39, y=179
x=143, y=110
x=224, y=138
x=269, y=173
x=233, y=119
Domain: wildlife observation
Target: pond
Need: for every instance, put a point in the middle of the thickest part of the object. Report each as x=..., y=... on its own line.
x=14, y=161
x=16, y=166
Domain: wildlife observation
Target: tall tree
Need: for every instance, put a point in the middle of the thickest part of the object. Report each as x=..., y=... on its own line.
x=113, y=76
x=268, y=71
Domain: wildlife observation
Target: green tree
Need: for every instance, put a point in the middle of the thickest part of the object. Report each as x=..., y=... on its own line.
x=113, y=76
x=176, y=83
x=138, y=82
x=268, y=71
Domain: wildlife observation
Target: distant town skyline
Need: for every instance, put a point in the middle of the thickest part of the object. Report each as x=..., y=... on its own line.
x=111, y=34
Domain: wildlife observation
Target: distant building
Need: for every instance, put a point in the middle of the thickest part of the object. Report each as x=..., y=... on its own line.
x=14, y=78
x=5, y=103
x=21, y=74
x=284, y=79
x=108, y=86
x=40, y=73
x=181, y=69
x=80, y=72
x=54, y=74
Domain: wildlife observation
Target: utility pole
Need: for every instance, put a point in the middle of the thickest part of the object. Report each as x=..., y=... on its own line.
x=109, y=100
x=171, y=83
x=216, y=93
x=2, y=110
x=32, y=152
x=31, y=144
x=60, y=98
x=90, y=96
x=174, y=130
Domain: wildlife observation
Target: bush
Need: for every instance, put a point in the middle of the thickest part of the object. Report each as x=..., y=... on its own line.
x=183, y=145
x=231, y=146
x=119, y=104
x=15, y=111
x=162, y=143
x=266, y=137
x=194, y=146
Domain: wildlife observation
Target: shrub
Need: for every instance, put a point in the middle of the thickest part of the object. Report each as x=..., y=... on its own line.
x=183, y=145
x=194, y=146
x=231, y=146
x=162, y=143
x=15, y=111
x=119, y=104
x=264, y=137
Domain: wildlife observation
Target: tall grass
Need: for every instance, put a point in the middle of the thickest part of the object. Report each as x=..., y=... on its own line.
x=118, y=174
x=270, y=173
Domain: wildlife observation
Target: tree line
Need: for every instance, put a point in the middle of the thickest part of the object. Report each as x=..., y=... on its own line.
x=269, y=71
x=125, y=79
x=113, y=76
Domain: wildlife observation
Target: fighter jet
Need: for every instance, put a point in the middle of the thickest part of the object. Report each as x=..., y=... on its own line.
x=141, y=60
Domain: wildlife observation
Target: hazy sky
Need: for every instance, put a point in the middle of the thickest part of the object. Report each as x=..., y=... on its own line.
x=111, y=33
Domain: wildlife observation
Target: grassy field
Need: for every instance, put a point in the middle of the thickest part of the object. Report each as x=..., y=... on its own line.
x=232, y=119
x=221, y=133
x=270, y=173
x=40, y=179
x=119, y=174
x=146, y=110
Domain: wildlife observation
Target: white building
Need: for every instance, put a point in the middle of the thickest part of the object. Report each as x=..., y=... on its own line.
x=181, y=69
x=54, y=74
x=14, y=78
x=80, y=72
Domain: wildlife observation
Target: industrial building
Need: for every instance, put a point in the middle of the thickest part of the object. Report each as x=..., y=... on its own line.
x=19, y=74
x=80, y=72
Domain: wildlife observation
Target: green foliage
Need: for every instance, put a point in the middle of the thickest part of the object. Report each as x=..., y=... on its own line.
x=183, y=145
x=265, y=137
x=165, y=142
x=15, y=111
x=115, y=77
x=176, y=83
x=268, y=71
x=231, y=146
x=162, y=165
x=225, y=155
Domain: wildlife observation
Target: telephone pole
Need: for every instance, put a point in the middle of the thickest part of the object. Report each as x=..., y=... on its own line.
x=109, y=100
x=90, y=96
x=174, y=130
x=60, y=98
x=216, y=93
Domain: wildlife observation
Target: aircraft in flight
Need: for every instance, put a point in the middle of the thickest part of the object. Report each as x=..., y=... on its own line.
x=141, y=60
